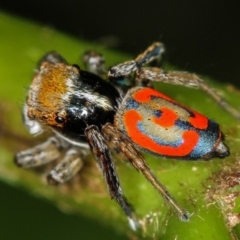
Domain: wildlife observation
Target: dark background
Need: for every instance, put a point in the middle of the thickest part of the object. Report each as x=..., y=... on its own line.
x=201, y=36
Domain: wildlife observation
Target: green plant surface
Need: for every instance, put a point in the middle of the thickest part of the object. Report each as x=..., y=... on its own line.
x=192, y=183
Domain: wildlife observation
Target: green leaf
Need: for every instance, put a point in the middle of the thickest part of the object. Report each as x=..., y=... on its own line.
x=195, y=185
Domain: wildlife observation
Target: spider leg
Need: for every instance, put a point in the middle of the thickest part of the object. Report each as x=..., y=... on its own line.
x=184, y=79
x=138, y=161
x=119, y=75
x=68, y=167
x=94, y=62
x=52, y=57
x=41, y=154
x=103, y=157
x=152, y=53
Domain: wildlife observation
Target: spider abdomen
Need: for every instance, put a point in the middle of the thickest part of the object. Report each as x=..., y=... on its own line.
x=159, y=125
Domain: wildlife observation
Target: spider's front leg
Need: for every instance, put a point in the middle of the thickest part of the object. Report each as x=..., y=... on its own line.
x=184, y=79
x=41, y=154
x=119, y=140
x=49, y=151
x=101, y=152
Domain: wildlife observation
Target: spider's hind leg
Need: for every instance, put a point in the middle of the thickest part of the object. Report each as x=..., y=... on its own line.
x=120, y=75
x=185, y=79
x=152, y=53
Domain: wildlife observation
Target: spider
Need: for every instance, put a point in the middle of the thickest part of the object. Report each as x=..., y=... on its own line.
x=122, y=113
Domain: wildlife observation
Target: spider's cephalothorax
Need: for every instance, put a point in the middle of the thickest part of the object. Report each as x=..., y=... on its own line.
x=125, y=113
x=69, y=99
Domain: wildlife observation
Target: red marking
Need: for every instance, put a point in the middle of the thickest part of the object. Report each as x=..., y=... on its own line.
x=144, y=95
x=167, y=118
x=190, y=138
x=199, y=121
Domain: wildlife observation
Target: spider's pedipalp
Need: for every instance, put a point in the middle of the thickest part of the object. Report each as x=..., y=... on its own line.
x=67, y=167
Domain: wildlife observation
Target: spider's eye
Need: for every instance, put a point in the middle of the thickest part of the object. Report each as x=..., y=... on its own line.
x=59, y=119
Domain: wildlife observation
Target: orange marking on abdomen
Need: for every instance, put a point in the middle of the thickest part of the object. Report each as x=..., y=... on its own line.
x=199, y=121
x=144, y=95
x=189, y=138
x=167, y=118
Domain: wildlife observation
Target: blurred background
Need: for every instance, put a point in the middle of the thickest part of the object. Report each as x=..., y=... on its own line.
x=200, y=36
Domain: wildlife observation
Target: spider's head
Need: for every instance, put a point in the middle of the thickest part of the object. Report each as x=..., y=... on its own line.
x=69, y=99
x=50, y=93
